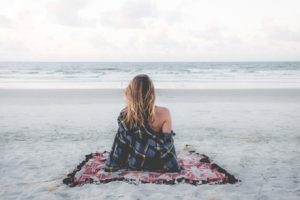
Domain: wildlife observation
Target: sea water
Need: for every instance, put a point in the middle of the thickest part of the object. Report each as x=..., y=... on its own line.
x=169, y=75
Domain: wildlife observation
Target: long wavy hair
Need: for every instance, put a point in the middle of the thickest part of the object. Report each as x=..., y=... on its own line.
x=140, y=99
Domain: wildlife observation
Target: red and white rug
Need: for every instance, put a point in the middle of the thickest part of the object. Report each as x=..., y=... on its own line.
x=198, y=170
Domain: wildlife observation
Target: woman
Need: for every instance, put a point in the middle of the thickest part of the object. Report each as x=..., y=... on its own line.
x=144, y=138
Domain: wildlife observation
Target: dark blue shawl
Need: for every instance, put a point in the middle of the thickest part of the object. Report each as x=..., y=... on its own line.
x=142, y=148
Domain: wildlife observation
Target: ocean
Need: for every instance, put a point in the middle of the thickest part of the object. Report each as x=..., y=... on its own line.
x=169, y=75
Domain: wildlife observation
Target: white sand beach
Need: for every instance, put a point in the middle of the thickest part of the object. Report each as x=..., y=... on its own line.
x=254, y=134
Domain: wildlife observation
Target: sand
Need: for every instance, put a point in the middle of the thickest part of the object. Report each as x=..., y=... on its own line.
x=254, y=134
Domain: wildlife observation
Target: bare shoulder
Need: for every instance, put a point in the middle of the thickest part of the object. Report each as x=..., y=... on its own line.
x=163, y=111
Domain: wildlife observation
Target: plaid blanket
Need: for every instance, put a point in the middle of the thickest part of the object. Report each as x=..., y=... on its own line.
x=141, y=148
x=198, y=170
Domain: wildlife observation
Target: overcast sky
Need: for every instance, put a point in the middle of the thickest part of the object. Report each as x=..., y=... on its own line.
x=149, y=30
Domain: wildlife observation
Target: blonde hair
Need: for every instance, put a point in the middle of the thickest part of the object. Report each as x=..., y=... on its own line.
x=140, y=99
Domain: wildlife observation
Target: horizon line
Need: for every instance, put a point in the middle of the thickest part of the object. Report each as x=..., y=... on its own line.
x=149, y=61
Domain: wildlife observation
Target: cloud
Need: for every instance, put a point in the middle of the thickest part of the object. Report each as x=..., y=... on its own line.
x=6, y=22
x=11, y=50
x=160, y=39
x=173, y=16
x=281, y=32
x=212, y=32
x=285, y=35
x=100, y=43
x=132, y=14
x=216, y=35
x=67, y=12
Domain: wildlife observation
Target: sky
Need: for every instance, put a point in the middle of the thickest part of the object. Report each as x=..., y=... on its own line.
x=149, y=30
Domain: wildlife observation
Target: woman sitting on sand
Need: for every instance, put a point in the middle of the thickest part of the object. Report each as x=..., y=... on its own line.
x=144, y=138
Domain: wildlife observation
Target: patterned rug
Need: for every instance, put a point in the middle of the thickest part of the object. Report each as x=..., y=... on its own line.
x=198, y=170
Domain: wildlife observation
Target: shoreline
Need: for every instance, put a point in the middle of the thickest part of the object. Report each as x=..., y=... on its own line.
x=11, y=96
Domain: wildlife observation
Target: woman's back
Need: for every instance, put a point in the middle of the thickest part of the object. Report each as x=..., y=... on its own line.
x=162, y=120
